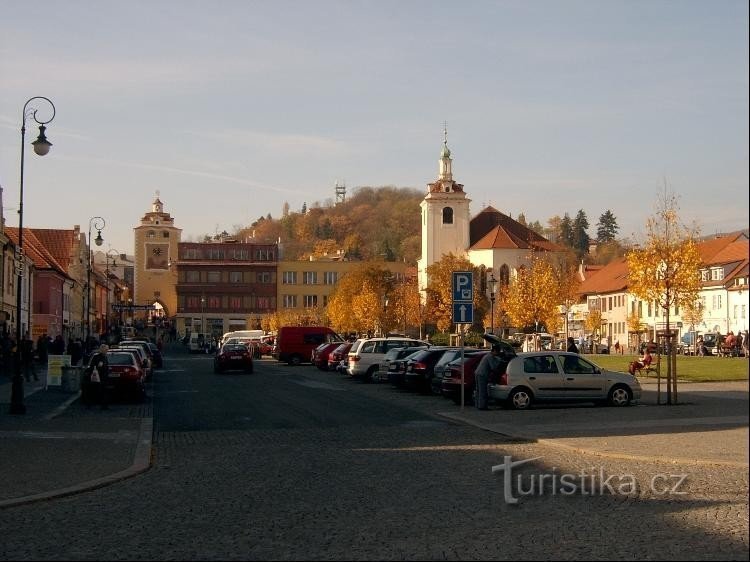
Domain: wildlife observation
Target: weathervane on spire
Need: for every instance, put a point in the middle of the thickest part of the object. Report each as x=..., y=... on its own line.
x=445, y=133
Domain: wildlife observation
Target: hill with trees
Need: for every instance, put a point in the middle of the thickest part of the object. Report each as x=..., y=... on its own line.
x=383, y=223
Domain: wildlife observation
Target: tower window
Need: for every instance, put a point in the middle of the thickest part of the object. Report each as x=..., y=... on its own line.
x=447, y=215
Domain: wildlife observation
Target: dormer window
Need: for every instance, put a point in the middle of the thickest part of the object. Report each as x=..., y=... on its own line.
x=447, y=215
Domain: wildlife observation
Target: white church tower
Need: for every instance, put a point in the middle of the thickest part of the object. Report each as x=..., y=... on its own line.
x=445, y=217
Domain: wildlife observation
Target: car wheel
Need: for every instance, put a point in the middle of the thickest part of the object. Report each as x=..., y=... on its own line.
x=249, y=370
x=520, y=399
x=368, y=375
x=619, y=396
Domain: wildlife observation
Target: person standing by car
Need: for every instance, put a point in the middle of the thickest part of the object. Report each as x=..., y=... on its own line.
x=572, y=348
x=100, y=362
x=489, y=363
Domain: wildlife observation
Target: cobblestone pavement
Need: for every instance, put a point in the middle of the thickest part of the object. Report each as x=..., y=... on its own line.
x=413, y=487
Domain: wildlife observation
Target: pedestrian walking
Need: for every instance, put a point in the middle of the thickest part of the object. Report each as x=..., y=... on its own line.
x=27, y=358
x=489, y=363
x=42, y=349
x=98, y=378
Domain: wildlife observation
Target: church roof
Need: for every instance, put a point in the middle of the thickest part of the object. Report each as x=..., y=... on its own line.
x=493, y=230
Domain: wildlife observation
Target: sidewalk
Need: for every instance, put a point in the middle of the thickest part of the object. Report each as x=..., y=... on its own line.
x=709, y=425
x=61, y=447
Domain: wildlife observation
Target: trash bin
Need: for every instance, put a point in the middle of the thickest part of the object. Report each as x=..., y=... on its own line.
x=71, y=379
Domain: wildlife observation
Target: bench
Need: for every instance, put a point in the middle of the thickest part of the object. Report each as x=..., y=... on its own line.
x=649, y=369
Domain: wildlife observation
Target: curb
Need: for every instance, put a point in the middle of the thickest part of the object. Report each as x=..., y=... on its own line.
x=141, y=463
x=593, y=452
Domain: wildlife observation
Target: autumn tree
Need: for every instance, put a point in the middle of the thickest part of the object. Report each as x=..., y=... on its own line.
x=665, y=270
x=533, y=296
x=593, y=322
x=356, y=304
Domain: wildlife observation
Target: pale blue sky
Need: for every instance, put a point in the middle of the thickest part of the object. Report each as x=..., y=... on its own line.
x=231, y=108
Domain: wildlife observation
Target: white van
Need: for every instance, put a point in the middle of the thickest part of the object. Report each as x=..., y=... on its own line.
x=196, y=342
x=250, y=334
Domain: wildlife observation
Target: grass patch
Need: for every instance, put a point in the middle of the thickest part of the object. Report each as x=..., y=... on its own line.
x=690, y=368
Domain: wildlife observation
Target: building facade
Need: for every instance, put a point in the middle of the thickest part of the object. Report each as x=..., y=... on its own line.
x=224, y=286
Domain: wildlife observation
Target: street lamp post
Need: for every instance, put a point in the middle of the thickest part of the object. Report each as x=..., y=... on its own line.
x=203, y=315
x=114, y=264
x=493, y=283
x=99, y=224
x=41, y=147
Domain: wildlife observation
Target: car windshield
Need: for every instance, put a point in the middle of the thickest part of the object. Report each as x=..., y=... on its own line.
x=229, y=348
x=120, y=359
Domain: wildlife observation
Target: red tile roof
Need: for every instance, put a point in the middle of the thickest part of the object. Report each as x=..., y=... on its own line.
x=36, y=250
x=611, y=278
x=491, y=229
x=61, y=244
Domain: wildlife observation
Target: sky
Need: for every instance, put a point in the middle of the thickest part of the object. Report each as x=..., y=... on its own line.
x=229, y=109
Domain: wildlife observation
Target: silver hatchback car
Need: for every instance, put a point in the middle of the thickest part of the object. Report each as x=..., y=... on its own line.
x=547, y=376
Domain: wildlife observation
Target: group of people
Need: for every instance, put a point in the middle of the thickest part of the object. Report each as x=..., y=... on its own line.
x=733, y=345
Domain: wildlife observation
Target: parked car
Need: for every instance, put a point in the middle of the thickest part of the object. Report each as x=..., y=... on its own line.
x=420, y=368
x=126, y=377
x=451, y=383
x=320, y=354
x=550, y=376
x=156, y=356
x=443, y=365
x=366, y=354
x=393, y=364
x=294, y=344
x=337, y=357
x=145, y=360
x=233, y=357
x=249, y=334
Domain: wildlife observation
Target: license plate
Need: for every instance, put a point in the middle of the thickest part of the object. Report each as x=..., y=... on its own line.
x=114, y=375
x=235, y=358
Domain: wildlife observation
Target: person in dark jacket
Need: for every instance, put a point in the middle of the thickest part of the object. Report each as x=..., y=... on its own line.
x=572, y=347
x=99, y=389
x=27, y=358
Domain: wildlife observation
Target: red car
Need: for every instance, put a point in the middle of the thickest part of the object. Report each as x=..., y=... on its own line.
x=233, y=357
x=338, y=355
x=320, y=355
x=126, y=377
x=451, y=387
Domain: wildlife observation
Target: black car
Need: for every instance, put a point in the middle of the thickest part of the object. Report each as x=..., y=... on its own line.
x=420, y=368
x=393, y=366
x=233, y=357
x=156, y=356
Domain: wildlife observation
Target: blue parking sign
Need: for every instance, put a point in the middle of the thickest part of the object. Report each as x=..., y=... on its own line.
x=463, y=286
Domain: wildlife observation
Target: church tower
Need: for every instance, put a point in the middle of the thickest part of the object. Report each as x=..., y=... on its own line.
x=445, y=216
x=156, y=243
